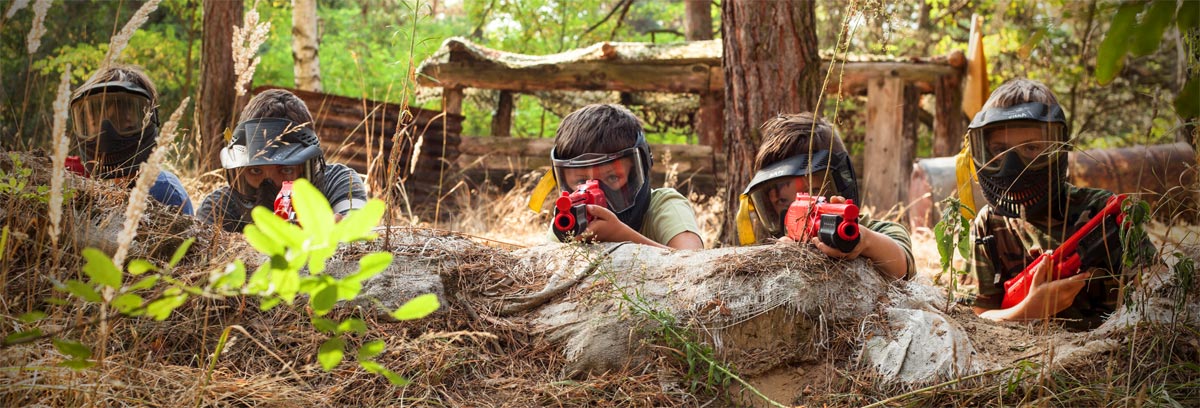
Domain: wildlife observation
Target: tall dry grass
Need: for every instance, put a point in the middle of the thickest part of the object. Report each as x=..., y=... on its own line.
x=119, y=41
x=61, y=145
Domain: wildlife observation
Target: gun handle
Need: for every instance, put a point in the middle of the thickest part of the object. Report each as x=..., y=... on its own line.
x=1017, y=288
x=1068, y=267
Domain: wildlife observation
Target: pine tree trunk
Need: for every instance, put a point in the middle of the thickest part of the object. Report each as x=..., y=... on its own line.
x=771, y=67
x=216, y=108
x=305, y=45
x=697, y=19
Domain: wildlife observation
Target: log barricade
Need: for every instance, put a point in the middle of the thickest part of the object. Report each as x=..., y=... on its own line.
x=364, y=135
x=1164, y=175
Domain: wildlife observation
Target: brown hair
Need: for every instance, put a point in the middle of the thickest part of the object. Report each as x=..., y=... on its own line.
x=785, y=136
x=277, y=103
x=121, y=72
x=597, y=128
x=1020, y=90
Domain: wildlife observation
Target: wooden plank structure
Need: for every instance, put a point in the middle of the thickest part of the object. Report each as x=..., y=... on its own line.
x=892, y=86
x=364, y=134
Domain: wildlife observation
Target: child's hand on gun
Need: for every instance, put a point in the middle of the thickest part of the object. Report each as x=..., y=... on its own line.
x=606, y=227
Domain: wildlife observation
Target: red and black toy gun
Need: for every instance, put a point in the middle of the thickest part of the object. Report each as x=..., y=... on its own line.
x=570, y=209
x=283, y=203
x=835, y=224
x=1066, y=259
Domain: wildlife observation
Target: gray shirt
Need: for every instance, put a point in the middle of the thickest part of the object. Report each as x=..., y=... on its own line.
x=341, y=185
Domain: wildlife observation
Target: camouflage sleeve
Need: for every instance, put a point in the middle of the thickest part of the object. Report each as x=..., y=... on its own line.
x=219, y=208
x=344, y=188
x=990, y=289
x=899, y=234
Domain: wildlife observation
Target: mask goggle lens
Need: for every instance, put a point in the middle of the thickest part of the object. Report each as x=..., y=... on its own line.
x=620, y=175
x=1034, y=143
x=125, y=112
x=772, y=198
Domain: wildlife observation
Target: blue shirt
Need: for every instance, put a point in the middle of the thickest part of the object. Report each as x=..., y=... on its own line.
x=168, y=190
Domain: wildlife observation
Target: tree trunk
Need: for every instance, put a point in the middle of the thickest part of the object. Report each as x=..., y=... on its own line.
x=697, y=18
x=771, y=66
x=217, y=105
x=305, y=45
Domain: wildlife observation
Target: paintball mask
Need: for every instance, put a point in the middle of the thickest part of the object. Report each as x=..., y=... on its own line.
x=624, y=177
x=269, y=142
x=115, y=124
x=1020, y=156
x=773, y=189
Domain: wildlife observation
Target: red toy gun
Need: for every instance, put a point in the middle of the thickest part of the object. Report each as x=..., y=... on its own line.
x=570, y=209
x=835, y=224
x=283, y=203
x=1066, y=259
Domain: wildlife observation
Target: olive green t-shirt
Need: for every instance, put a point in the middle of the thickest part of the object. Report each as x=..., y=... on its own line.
x=670, y=214
x=897, y=233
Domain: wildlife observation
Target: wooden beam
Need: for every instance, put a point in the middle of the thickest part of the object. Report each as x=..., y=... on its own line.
x=452, y=99
x=502, y=120
x=890, y=144
x=949, y=122
x=710, y=121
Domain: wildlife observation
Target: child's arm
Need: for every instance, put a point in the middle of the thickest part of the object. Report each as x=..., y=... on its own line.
x=880, y=249
x=606, y=227
x=1045, y=299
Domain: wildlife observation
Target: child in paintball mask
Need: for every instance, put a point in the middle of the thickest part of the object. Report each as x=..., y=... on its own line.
x=1018, y=144
x=605, y=142
x=275, y=143
x=800, y=153
x=114, y=117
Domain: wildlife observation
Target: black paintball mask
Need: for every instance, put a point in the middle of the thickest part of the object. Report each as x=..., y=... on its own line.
x=624, y=177
x=1020, y=156
x=774, y=187
x=115, y=125
x=269, y=142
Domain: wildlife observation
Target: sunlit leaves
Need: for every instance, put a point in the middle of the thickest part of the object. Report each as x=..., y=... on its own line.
x=417, y=308
x=100, y=268
x=331, y=352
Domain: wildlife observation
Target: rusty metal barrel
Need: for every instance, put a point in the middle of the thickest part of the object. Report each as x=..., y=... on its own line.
x=1164, y=175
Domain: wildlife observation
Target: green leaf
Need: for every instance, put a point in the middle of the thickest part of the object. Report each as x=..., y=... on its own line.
x=313, y=211
x=368, y=267
x=330, y=353
x=32, y=316
x=260, y=241
x=57, y=301
x=287, y=283
x=356, y=326
x=370, y=349
x=22, y=336
x=1111, y=56
x=1154, y=22
x=325, y=325
x=417, y=308
x=72, y=348
x=269, y=303
x=100, y=268
x=324, y=300
x=277, y=229
x=1187, y=102
x=127, y=302
x=146, y=283
x=357, y=224
x=180, y=252
x=83, y=291
x=1188, y=17
x=77, y=364
x=377, y=368
x=140, y=266
x=260, y=281
x=161, y=308
x=233, y=277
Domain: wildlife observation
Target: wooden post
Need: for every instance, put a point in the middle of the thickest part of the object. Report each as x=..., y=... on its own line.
x=502, y=120
x=949, y=122
x=710, y=121
x=452, y=99
x=890, y=144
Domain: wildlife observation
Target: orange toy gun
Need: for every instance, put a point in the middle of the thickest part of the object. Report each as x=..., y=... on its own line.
x=283, y=203
x=1065, y=259
x=570, y=209
x=835, y=224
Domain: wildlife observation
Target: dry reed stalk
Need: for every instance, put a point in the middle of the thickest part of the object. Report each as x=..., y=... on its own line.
x=61, y=144
x=15, y=7
x=246, y=40
x=121, y=40
x=146, y=177
x=34, y=39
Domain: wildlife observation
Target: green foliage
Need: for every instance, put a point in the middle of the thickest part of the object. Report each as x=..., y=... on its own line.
x=953, y=234
x=417, y=308
x=15, y=181
x=1131, y=35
